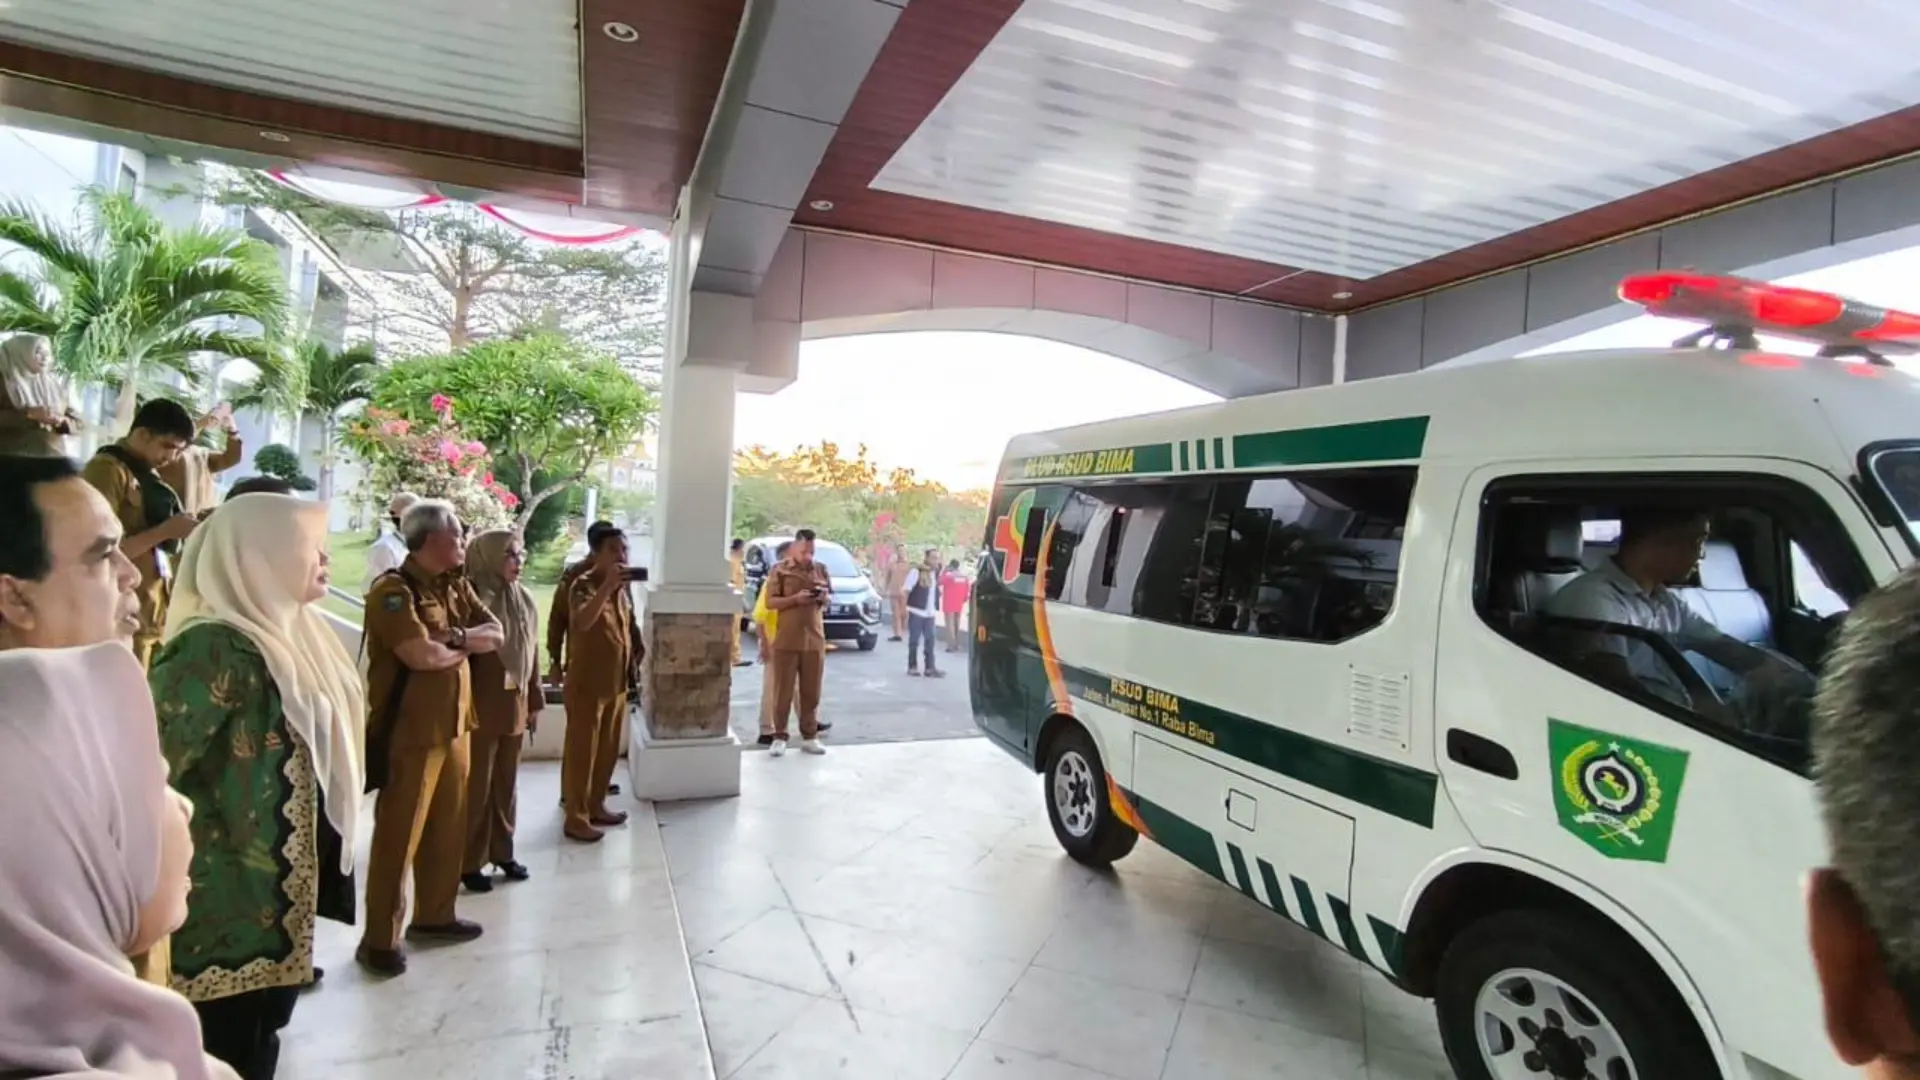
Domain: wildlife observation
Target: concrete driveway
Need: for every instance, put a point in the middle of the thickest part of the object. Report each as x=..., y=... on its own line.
x=869, y=698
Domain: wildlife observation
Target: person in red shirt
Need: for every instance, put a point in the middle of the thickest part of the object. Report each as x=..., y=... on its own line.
x=954, y=590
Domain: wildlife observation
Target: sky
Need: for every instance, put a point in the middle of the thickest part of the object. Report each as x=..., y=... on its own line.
x=939, y=403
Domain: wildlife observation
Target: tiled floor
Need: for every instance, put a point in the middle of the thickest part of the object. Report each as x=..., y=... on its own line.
x=901, y=912
x=581, y=975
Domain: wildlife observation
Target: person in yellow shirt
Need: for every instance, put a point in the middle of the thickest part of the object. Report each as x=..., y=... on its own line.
x=766, y=620
x=737, y=559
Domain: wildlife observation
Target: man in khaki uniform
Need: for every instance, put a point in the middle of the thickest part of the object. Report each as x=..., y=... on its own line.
x=600, y=651
x=557, y=613
x=798, y=590
x=191, y=474
x=128, y=474
x=422, y=622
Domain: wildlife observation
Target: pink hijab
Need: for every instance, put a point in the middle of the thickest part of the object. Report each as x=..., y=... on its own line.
x=82, y=785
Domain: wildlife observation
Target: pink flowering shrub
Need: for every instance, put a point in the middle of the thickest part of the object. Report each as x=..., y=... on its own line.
x=437, y=462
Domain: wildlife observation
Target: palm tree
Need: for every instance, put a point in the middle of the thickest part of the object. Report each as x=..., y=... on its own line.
x=318, y=379
x=127, y=299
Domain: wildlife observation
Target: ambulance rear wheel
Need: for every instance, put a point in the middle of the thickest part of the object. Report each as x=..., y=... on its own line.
x=1077, y=806
x=1544, y=996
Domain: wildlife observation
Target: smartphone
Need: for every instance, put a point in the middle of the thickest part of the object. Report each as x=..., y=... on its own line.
x=635, y=573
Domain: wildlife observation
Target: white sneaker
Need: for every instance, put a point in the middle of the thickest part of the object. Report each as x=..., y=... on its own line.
x=812, y=746
x=779, y=748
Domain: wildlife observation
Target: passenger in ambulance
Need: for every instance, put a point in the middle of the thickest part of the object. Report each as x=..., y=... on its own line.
x=1660, y=548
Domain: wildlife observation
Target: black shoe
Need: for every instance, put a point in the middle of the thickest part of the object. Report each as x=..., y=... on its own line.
x=823, y=726
x=314, y=983
x=613, y=789
x=385, y=963
x=766, y=739
x=457, y=930
x=477, y=882
x=514, y=871
x=896, y=637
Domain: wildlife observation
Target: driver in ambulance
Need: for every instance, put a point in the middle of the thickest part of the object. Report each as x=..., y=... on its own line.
x=1659, y=547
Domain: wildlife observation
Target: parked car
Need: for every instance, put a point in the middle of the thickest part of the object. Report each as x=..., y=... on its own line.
x=854, y=614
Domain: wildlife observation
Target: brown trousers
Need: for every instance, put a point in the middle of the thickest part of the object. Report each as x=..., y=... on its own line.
x=594, y=725
x=419, y=821
x=797, y=672
x=492, y=785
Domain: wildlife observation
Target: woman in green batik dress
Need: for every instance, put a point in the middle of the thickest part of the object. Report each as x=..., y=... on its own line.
x=262, y=722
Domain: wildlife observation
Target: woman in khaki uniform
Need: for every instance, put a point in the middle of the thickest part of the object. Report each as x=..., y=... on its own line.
x=36, y=414
x=506, y=699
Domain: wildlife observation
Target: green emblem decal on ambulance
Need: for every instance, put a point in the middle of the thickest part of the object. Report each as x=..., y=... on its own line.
x=1619, y=795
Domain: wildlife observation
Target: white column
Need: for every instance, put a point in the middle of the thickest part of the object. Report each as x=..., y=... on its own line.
x=1339, y=349
x=690, y=511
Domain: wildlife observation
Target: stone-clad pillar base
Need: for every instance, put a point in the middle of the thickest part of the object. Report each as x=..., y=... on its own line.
x=686, y=748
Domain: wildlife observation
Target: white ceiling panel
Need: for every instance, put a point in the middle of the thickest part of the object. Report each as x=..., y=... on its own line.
x=509, y=67
x=1356, y=137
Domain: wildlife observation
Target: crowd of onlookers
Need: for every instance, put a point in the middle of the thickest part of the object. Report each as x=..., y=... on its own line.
x=186, y=744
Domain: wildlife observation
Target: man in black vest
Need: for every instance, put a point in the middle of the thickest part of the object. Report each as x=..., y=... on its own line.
x=127, y=473
x=923, y=613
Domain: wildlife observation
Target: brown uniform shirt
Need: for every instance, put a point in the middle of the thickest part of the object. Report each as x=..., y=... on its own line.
x=191, y=474
x=600, y=651
x=437, y=706
x=802, y=628
x=114, y=480
x=558, y=616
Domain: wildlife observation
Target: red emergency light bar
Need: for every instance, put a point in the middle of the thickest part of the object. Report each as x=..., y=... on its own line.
x=1738, y=308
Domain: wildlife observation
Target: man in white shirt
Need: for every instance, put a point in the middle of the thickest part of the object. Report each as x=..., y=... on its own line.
x=1657, y=548
x=923, y=613
x=388, y=552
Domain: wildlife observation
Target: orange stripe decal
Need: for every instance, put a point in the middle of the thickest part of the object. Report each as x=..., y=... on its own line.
x=1042, y=632
x=1123, y=809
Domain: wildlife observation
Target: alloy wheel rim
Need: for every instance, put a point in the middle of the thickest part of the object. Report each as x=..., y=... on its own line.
x=1530, y=1025
x=1073, y=794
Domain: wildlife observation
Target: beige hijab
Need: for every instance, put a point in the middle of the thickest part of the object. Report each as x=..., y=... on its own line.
x=512, y=604
x=26, y=364
x=248, y=567
x=82, y=788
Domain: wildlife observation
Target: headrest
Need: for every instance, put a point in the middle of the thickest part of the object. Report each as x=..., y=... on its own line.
x=1548, y=538
x=1720, y=569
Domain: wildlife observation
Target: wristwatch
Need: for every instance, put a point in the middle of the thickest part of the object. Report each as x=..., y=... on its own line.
x=459, y=639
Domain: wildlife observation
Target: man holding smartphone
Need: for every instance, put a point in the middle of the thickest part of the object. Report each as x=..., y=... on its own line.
x=798, y=590
x=599, y=666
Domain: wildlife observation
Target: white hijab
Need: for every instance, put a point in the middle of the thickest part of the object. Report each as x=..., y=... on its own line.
x=247, y=566
x=26, y=365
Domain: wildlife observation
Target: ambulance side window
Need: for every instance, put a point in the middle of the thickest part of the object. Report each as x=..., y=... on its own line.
x=1730, y=645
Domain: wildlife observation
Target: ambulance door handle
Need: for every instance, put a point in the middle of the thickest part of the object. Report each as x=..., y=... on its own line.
x=1482, y=754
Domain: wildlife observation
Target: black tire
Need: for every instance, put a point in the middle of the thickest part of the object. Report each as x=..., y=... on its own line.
x=1600, y=965
x=869, y=642
x=1094, y=837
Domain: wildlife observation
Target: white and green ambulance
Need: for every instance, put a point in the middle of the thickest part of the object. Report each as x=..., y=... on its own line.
x=1303, y=641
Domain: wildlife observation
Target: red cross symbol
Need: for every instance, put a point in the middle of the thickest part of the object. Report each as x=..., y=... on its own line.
x=1008, y=546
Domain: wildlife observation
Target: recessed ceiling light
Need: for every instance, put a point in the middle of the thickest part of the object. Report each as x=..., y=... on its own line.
x=822, y=205
x=621, y=32
x=1343, y=296
x=276, y=136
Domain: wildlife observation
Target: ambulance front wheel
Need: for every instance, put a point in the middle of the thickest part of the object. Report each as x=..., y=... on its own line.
x=1544, y=996
x=1077, y=806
